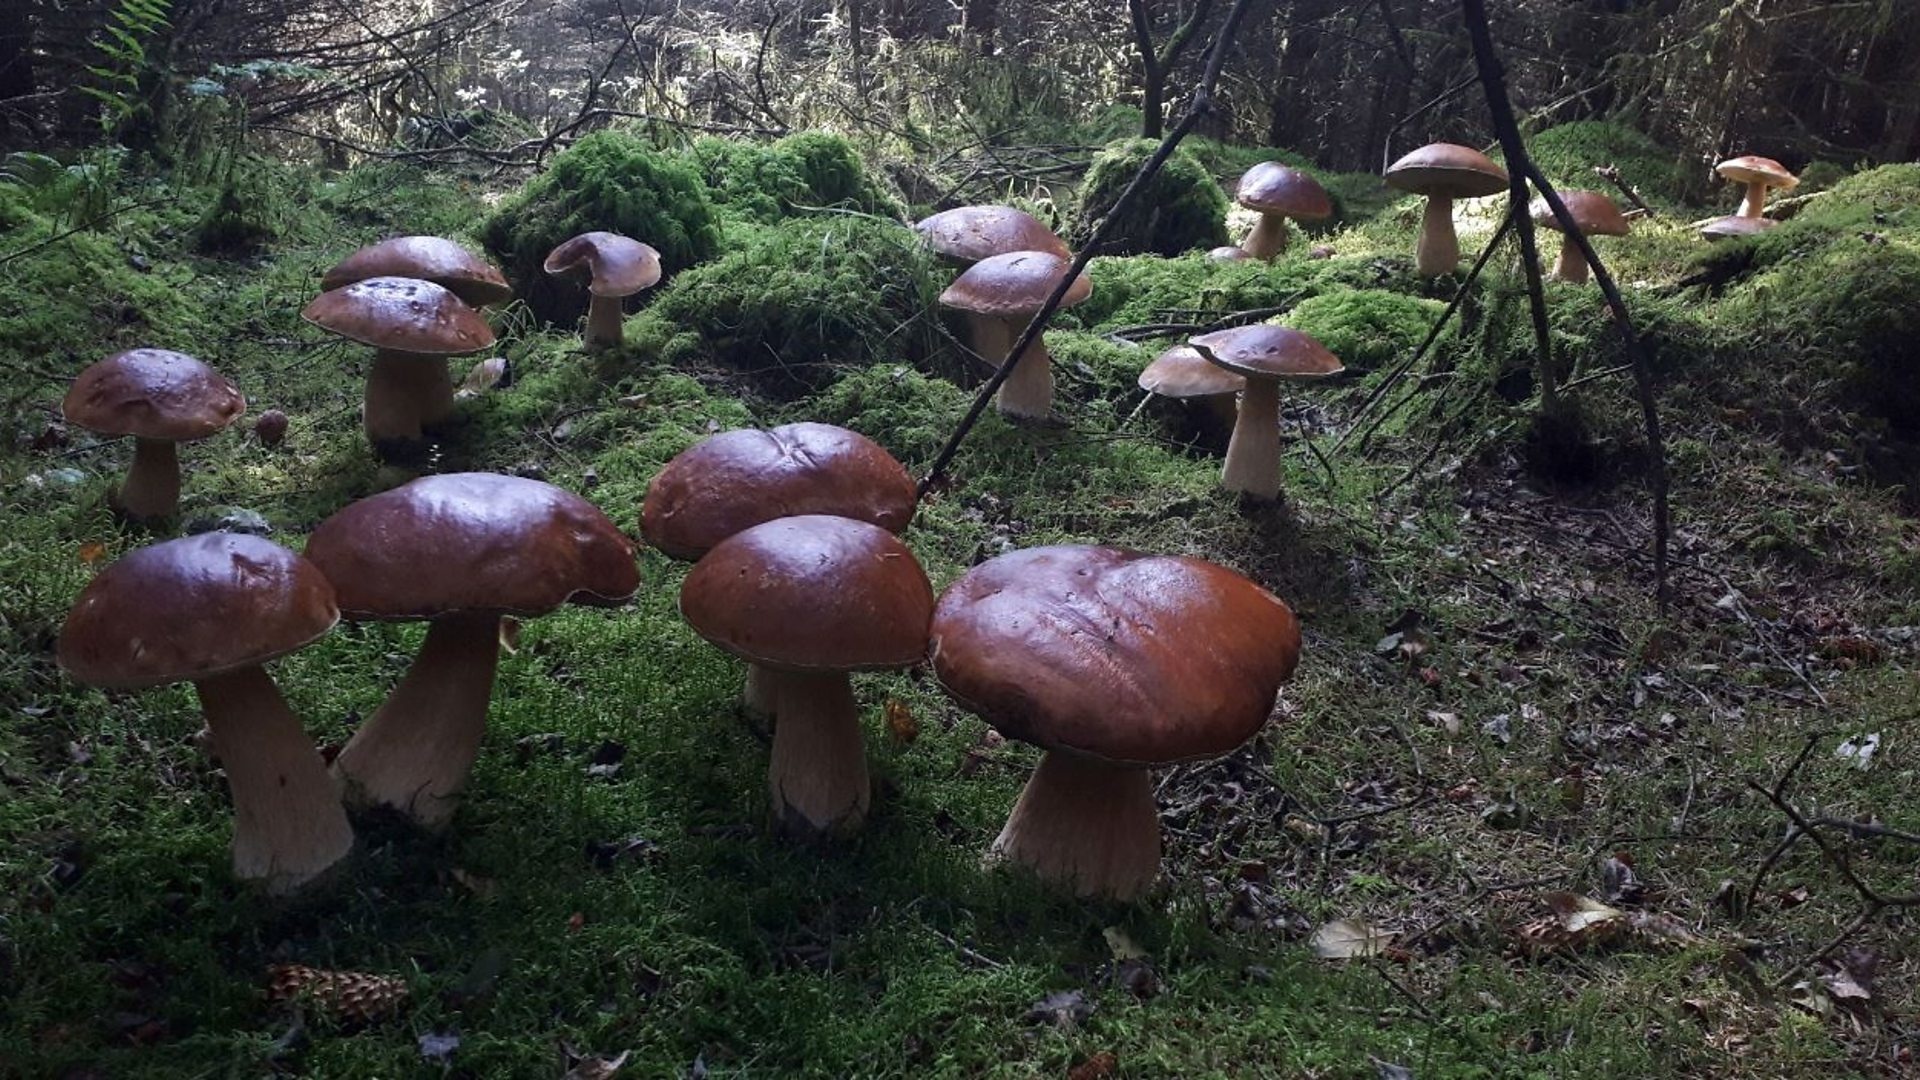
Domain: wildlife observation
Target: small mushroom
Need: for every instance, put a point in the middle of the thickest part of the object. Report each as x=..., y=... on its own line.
x=1183, y=374
x=809, y=599
x=211, y=609
x=1594, y=213
x=460, y=550
x=415, y=325
x=1278, y=193
x=1112, y=661
x=270, y=428
x=617, y=267
x=477, y=282
x=1267, y=356
x=1000, y=295
x=161, y=398
x=1758, y=174
x=1733, y=225
x=965, y=235
x=1443, y=172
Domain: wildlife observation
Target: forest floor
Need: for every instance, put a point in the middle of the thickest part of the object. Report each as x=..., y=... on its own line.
x=1509, y=820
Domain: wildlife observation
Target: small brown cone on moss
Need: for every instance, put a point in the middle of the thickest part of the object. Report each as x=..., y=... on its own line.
x=350, y=996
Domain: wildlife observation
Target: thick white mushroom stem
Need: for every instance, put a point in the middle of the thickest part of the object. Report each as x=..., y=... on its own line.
x=1572, y=265
x=406, y=392
x=1755, y=204
x=415, y=752
x=288, y=825
x=758, y=698
x=1268, y=240
x=817, y=777
x=1253, y=453
x=152, y=490
x=1086, y=825
x=1438, y=249
x=604, y=318
x=1028, y=391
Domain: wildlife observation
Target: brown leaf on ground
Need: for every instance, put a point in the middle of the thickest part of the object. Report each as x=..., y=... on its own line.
x=1346, y=939
x=1098, y=1067
x=902, y=728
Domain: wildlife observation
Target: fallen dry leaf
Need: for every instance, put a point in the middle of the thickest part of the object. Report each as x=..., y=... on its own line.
x=1098, y=1067
x=92, y=552
x=902, y=728
x=1345, y=939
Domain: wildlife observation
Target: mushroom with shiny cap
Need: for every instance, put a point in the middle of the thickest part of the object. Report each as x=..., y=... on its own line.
x=966, y=234
x=1183, y=374
x=1443, y=172
x=1279, y=192
x=1000, y=295
x=414, y=325
x=1267, y=356
x=460, y=550
x=211, y=609
x=1733, y=226
x=161, y=398
x=1758, y=174
x=1112, y=661
x=1595, y=214
x=810, y=599
x=477, y=282
x=616, y=267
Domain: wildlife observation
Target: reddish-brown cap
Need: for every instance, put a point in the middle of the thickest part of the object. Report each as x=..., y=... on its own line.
x=1273, y=188
x=1264, y=351
x=1013, y=285
x=152, y=394
x=616, y=265
x=1593, y=212
x=1181, y=372
x=1723, y=228
x=1228, y=253
x=1448, y=170
x=738, y=479
x=812, y=593
x=1116, y=654
x=1753, y=169
x=472, y=542
x=967, y=234
x=430, y=258
x=402, y=314
x=193, y=608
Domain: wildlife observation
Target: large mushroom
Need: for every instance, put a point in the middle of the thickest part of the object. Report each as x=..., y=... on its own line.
x=460, y=550
x=809, y=599
x=1758, y=174
x=1443, y=172
x=1000, y=294
x=211, y=609
x=477, y=282
x=415, y=325
x=161, y=398
x=617, y=267
x=1112, y=661
x=1279, y=192
x=1595, y=214
x=1267, y=356
x=965, y=235
x=1182, y=374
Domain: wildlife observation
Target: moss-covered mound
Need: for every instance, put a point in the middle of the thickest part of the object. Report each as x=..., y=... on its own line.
x=1569, y=153
x=1139, y=291
x=1182, y=208
x=608, y=180
x=1366, y=328
x=764, y=183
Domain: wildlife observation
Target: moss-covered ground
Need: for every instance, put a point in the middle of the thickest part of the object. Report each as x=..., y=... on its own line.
x=1536, y=725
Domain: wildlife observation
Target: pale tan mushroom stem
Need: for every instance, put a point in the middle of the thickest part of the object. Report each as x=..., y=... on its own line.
x=1755, y=204
x=1438, y=249
x=416, y=750
x=1268, y=240
x=758, y=697
x=1572, y=266
x=604, y=319
x=1028, y=391
x=817, y=777
x=406, y=392
x=1085, y=825
x=288, y=824
x=1253, y=453
x=152, y=489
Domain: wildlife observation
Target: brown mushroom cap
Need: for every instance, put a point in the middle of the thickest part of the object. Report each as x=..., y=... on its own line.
x=430, y=258
x=1267, y=351
x=1722, y=228
x=472, y=542
x=1448, y=170
x=1273, y=188
x=968, y=234
x=152, y=394
x=1593, y=212
x=616, y=265
x=812, y=593
x=1753, y=169
x=193, y=608
x=1116, y=654
x=738, y=479
x=1013, y=285
x=401, y=314
x=1181, y=372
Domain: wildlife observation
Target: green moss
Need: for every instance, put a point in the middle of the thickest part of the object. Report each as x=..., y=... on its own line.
x=764, y=183
x=250, y=210
x=1569, y=153
x=1147, y=289
x=1366, y=328
x=1820, y=175
x=1182, y=208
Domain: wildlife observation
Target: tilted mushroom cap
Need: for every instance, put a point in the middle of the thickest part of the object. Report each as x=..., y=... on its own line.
x=1115, y=654
x=152, y=394
x=968, y=234
x=1014, y=284
x=616, y=265
x=1722, y=228
x=738, y=479
x=1267, y=351
x=1273, y=188
x=430, y=258
x=193, y=608
x=1448, y=170
x=812, y=593
x=1181, y=372
x=403, y=314
x=1753, y=169
x=472, y=542
x=1593, y=212
x=1228, y=253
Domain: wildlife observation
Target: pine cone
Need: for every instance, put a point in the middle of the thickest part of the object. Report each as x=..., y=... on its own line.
x=355, y=996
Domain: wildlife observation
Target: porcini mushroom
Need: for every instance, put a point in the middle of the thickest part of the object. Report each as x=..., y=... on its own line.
x=965, y=235
x=1758, y=174
x=1594, y=213
x=161, y=398
x=415, y=325
x=1000, y=294
x=477, y=282
x=1443, y=172
x=1111, y=661
x=617, y=267
x=1267, y=356
x=809, y=599
x=211, y=609
x=460, y=550
x=1278, y=193
x=1733, y=225
x=1183, y=374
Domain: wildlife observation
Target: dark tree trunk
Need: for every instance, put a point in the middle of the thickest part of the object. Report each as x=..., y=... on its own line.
x=1288, y=110
x=980, y=20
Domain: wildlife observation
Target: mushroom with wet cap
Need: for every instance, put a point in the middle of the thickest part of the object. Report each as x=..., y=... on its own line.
x=1000, y=295
x=161, y=398
x=414, y=325
x=1595, y=214
x=1443, y=172
x=1267, y=356
x=1182, y=374
x=966, y=234
x=1279, y=192
x=1758, y=174
x=477, y=282
x=617, y=267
